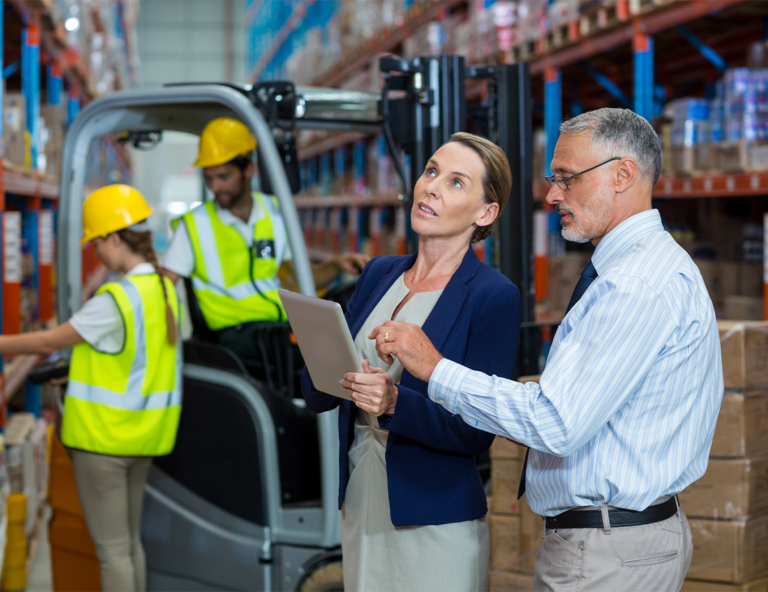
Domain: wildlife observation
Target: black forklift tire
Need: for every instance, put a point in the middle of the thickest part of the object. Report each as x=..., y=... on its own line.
x=328, y=578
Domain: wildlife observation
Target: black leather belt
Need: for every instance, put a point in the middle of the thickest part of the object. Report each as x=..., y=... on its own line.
x=594, y=518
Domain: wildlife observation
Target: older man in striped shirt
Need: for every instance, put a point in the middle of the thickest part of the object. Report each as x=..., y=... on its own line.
x=623, y=417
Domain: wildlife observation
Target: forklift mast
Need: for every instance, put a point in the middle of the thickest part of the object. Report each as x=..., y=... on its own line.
x=428, y=105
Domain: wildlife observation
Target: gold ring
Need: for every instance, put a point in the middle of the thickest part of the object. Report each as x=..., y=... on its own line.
x=386, y=337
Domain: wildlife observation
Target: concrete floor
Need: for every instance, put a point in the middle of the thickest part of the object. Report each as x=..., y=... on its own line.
x=39, y=578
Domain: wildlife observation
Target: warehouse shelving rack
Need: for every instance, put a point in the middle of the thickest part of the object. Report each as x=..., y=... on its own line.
x=667, y=41
x=35, y=45
x=687, y=33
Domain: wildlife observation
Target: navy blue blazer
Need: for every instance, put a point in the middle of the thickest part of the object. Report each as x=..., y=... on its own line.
x=431, y=473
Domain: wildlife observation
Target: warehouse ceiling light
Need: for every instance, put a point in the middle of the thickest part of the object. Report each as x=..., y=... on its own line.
x=72, y=24
x=177, y=208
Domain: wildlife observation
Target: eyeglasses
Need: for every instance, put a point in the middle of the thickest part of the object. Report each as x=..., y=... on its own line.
x=562, y=182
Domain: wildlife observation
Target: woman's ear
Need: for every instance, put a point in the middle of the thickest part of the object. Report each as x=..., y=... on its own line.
x=490, y=213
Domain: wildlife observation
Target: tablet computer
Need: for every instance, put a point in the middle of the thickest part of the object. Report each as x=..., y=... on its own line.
x=324, y=340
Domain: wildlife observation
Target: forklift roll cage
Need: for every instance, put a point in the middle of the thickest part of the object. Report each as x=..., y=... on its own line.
x=431, y=107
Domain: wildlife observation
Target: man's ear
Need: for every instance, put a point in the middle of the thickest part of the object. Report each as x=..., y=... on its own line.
x=627, y=174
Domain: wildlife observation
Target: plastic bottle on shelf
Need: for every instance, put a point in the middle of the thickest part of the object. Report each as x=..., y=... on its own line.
x=374, y=225
x=353, y=234
x=321, y=225
x=336, y=230
x=400, y=230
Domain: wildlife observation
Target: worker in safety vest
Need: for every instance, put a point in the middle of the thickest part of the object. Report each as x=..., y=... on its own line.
x=124, y=393
x=234, y=246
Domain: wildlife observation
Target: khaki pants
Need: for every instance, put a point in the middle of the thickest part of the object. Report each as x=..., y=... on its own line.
x=111, y=490
x=648, y=557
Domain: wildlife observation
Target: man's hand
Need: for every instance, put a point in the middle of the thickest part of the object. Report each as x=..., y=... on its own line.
x=351, y=262
x=372, y=391
x=410, y=345
x=327, y=272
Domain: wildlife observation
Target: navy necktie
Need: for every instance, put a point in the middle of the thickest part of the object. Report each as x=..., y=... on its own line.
x=588, y=275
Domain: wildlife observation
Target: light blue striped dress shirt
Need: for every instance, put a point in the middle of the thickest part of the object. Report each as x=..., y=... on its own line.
x=626, y=408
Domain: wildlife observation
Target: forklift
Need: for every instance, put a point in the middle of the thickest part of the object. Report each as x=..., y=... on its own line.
x=248, y=498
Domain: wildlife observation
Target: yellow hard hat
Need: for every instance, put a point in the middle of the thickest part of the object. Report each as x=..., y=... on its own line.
x=112, y=208
x=222, y=140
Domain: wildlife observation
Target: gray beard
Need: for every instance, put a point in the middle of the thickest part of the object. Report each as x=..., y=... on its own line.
x=571, y=234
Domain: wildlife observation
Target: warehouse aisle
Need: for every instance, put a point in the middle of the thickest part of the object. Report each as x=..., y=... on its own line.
x=40, y=578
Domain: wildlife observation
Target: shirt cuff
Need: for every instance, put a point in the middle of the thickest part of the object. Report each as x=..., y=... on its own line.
x=445, y=383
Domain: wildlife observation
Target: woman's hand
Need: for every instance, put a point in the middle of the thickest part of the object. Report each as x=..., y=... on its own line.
x=409, y=344
x=372, y=391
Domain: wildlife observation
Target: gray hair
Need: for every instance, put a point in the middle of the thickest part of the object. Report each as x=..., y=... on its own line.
x=619, y=132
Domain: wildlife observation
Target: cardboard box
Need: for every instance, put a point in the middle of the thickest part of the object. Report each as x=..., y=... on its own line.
x=705, y=158
x=531, y=531
x=751, y=279
x=54, y=120
x=505, y=541
x=744, y=349
x=742, y=425
x=683, y=160
x=15, y=128
x=742, y=156
x=509, y=581
x=711, y=273
x=505, y=483
x=731, y=488
x=744, y=308
x=503, y=448
x=564, y=273
x=729, y=551
x=696, y=586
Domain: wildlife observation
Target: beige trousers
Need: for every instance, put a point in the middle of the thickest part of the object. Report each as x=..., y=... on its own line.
x=648, y=557
x=111, y=490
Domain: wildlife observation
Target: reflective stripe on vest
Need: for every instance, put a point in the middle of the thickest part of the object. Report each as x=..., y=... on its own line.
x=128, y=403
x=231, y=285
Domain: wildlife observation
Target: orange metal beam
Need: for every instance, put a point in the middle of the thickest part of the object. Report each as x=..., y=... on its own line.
x=666, y=18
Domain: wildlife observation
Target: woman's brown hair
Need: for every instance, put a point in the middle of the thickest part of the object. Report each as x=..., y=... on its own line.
x=141, y=244
x=497, y=179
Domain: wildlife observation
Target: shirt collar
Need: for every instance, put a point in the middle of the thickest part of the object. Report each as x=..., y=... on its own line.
x=142, y=269
x=230, y=219
x=626, y=234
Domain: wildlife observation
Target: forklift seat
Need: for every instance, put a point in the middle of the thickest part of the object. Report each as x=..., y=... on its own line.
x=217, y=453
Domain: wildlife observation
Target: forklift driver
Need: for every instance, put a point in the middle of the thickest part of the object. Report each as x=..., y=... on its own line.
x=233, y=247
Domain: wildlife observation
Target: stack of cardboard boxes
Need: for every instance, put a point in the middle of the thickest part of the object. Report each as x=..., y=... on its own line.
x=564, y=272
x=735, y=287
x=15, y=134
x=515, y=530
x=728, y=507
x=17, y=140
x=52, y=138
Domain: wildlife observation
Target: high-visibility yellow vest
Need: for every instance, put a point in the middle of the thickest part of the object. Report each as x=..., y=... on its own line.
x=236, y=282
x=128, y=403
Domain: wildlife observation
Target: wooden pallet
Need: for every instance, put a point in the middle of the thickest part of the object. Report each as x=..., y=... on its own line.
x=560, y=36
x=524, y=50
x=644, y=6
x=603, y=16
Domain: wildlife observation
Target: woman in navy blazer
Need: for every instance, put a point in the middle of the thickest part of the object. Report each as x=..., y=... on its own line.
x=430, y=476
